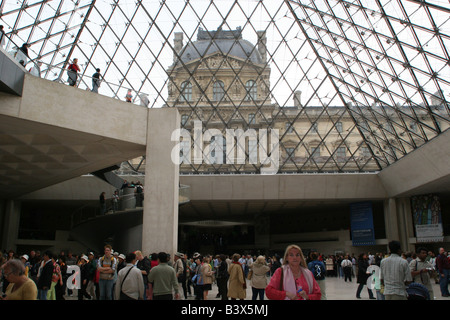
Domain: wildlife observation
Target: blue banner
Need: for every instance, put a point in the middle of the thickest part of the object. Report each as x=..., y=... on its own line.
x=361, y=218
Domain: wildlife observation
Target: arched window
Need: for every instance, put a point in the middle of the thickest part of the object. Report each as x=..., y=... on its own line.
x=218, y=90
x=250, y=90
x=186, y=91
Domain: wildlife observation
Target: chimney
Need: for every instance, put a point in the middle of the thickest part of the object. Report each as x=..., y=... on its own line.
x=262, y=40
x=177, y=45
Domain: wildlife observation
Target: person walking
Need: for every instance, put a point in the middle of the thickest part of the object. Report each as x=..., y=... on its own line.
x=129, y=285
x=361, y=278
x=395, y=274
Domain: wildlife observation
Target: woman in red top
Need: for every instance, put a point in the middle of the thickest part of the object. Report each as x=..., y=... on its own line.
x=72, y=72
x=293, y=280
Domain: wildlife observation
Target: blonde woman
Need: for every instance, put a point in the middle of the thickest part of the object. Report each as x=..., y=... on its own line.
x=293, y=280
x=258, y=281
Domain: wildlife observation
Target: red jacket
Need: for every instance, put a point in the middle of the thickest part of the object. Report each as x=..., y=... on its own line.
x=74, y=67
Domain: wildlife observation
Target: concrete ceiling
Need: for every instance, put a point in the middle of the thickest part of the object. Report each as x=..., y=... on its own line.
x=245, y=210
x=35, y=155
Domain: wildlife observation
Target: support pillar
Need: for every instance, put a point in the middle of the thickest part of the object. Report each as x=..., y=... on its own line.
x=398, y=222
x=390, y=219
x=160, y=217
x=405, y=222
x=11, y=220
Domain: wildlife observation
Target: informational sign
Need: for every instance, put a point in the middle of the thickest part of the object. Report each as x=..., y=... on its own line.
x=426, y=210
x=361, y=218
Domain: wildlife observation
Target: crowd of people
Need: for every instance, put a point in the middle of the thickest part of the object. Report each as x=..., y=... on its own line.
x=158, y=276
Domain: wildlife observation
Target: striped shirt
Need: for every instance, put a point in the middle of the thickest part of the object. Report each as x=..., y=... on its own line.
x=394, y=271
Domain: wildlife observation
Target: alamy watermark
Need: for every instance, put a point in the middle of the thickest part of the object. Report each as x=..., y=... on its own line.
x=257, y=147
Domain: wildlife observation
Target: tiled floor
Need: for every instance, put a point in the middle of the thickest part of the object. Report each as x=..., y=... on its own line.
x=336, y=289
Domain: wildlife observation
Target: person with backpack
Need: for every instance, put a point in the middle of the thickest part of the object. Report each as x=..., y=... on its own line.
x=422, y=271
x=319, y=270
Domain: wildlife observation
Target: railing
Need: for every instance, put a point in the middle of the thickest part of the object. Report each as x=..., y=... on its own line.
x=24, y=60
x=128, y=199
x=36, y=67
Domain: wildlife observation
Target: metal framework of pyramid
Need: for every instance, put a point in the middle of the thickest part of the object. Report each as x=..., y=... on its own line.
x=383, y=63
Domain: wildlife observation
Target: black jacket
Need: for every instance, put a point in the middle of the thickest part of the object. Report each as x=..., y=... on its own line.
x=45, y=279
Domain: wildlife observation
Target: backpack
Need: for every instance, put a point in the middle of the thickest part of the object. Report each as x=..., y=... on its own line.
x=318, y=270
x=417, y=291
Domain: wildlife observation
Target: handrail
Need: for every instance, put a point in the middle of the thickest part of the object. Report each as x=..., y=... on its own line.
x=16, y=51
x=33, y=66
x=77, y=215
x=84, y=76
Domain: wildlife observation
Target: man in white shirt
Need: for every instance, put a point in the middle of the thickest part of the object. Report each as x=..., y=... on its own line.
x=395, y=274
x=346, y=265
x=129, y=285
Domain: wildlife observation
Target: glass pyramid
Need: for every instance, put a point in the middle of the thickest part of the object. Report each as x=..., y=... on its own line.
x=349, y=86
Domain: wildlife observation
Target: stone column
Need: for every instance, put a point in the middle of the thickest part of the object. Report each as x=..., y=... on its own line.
x=160, y=217
x=11, y=221
x=391, y=220
x=405, y=222
x=398, y=222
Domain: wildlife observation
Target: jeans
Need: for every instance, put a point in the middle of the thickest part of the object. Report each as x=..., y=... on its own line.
x=380, y=296
x=258, y=292
x=42, y=294
x=443, y=282
x=106, y=289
